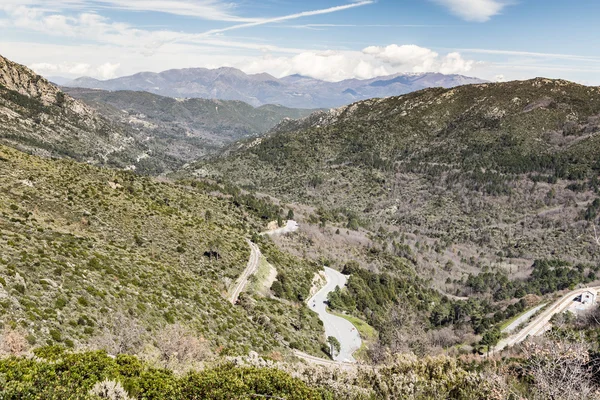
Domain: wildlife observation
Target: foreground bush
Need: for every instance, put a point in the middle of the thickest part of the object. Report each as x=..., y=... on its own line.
x=55, y=374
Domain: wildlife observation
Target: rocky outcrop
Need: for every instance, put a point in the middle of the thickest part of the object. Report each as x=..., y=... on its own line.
x=38, y=117
x=21, y=79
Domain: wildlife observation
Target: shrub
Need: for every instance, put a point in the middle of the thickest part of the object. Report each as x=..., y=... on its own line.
x=61, y=302
x=60, y=375
x=109, y=390
x=56, y=335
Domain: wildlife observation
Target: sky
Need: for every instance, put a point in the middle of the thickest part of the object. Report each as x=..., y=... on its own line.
x=325, y=39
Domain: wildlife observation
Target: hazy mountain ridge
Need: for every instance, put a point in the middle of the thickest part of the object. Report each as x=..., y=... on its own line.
x=292, y=91
x=185, y=129
x=136, y=130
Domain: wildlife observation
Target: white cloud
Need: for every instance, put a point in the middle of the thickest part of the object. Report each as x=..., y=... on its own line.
x=215, y=10
x=292, y=16
x=108, y=70
x=404, y=56
x=96, y=28
x=325, y=65
x=373, y=61
x=102, y=71
x=531, y=54
x=108, y=61
x=205, y=9
x=453, y=63
x=474, y=10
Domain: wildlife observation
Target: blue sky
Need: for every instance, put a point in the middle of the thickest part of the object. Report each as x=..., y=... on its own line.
x=326, y=39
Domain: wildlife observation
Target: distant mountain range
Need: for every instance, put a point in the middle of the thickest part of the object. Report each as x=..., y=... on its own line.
x=124, y=129
x=259, y=89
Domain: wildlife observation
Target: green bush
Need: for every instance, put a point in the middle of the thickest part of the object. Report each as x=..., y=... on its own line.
x=56, y=335
x=57, y=374
x=61, y=302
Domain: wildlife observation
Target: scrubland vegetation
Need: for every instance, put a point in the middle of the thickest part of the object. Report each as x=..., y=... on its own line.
x=452, y=211
x=87, y=251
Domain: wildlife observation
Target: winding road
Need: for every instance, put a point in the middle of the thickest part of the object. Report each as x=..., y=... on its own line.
x=335, y=326
x=324, y=362
x=251, y=268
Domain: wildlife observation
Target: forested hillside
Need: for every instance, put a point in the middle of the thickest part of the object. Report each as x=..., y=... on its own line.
x=184, y=129
x=488, y=192
x=511, y=167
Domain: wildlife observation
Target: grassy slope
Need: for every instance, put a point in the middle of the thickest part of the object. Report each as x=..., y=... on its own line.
x=259, y=283
x=80, y=244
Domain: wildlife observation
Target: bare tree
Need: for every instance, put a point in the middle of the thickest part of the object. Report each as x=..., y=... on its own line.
x=108, y=389
x=403, y=333
x=178, y=344
x=560, y=368
x=121, y=335
x=596, y=237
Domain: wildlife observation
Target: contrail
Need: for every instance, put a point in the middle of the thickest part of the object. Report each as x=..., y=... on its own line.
x=288, y=17
x=154, y=46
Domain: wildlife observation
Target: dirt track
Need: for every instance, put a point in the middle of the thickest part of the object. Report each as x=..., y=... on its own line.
x=251, y=268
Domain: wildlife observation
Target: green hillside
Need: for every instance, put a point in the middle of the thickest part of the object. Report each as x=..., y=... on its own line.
x=538, y=126
x=485, y=164
x=85, y=250
x=488, y=192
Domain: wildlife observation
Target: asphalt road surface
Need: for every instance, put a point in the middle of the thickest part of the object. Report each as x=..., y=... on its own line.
x=523, y=318
x=337, y=327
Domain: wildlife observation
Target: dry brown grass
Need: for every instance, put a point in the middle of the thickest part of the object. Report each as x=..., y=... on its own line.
x=13, y=342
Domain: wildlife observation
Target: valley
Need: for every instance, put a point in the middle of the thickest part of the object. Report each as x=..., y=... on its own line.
x=369, y=251
x=184, y=129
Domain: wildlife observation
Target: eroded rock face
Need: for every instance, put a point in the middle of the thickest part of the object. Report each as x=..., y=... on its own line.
x=21, y=79
x=46, y=121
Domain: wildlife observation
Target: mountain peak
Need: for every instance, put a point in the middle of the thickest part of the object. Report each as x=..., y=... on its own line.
x=21, y=79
